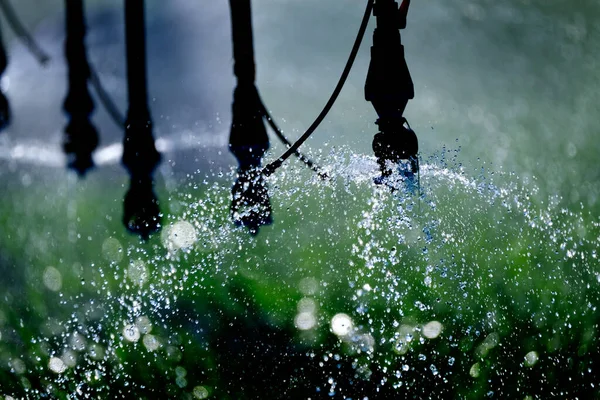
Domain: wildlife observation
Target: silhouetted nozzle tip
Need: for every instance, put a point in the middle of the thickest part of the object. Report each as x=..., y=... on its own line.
x=250, y=204
x=268, y=170
x=81, y=139
x=141, y=212
x=396, y=144
x=323, y=175
x=4, y=111
x=81, y=164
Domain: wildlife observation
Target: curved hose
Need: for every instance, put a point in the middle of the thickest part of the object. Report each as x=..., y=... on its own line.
x=22, y=33
x=108, y=104
x=279, y=133
x=270, y=168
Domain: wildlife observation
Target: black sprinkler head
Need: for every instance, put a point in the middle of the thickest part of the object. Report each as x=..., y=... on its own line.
x=81, y=139
x=395, y=145
x=250, y=204
x=399, y=147
x=4, y=111
x=141, y=212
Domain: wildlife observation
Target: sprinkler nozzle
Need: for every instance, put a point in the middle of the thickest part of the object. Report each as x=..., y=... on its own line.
x=4, y=111
x=141, y=212
x=398, y=146
x=250, y=204
x=81, y=139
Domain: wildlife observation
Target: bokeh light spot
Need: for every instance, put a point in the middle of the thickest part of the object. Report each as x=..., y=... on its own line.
x=475, y=370
x=531, y=358
x=137, y=272
x=180, y=235
x=341, y=324
x=143, y=324
x=200, y=392
x=432, y=329
x=151, y=343
x=305, y=321
x=52, y=279
x=57, y=365
x=112, y=250
x=131, y=333
x=308, y=286
x=306, y=304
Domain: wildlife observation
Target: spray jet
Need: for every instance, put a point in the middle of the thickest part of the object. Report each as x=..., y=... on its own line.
x=389, y=87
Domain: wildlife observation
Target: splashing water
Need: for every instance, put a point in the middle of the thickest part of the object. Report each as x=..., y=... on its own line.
x=476, y=288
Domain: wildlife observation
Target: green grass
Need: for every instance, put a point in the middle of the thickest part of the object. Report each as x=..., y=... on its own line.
x=511, y=279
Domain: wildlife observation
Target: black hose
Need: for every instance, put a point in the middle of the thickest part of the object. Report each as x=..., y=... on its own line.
x=108, y=104
x=22, y=33
x=279, y=133
x=270, y=168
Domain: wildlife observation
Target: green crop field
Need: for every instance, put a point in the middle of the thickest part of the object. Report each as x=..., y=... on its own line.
x=476, y=289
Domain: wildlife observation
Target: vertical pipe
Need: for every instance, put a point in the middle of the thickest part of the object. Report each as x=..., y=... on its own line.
x=4, y=106
x=248, y=140
x=135, y=31
x=243, y=41
x=81, y=137
x=140, y=157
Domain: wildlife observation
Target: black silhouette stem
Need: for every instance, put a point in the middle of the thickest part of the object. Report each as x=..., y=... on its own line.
x=140, y=157
x=4, y=106
x=135, y=31
x=248, y=140
x=81, y=137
